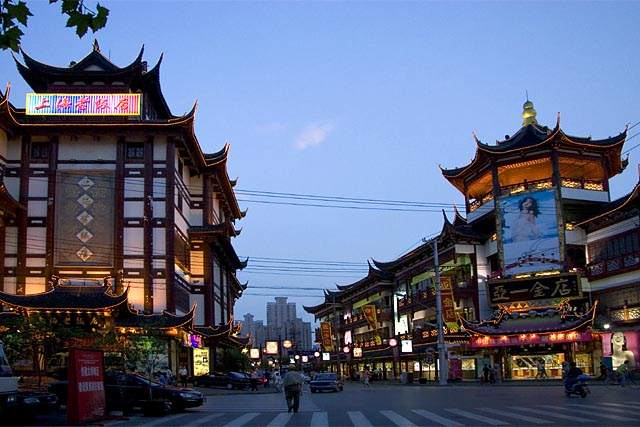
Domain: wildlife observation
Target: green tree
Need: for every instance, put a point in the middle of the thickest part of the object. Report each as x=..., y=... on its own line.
x=234, y=360
x=14, y=17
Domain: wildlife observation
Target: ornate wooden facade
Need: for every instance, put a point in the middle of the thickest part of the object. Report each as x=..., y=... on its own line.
x=132, y=197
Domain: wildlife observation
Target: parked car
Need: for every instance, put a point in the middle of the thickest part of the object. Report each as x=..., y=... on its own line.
x=33, y=402
x=326, y=381
x=128, y=390
x=229, y=380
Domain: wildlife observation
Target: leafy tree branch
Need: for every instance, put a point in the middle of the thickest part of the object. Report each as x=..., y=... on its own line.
x=14, y=18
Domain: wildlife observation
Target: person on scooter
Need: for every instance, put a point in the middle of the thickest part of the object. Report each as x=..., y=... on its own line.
x=572, y=375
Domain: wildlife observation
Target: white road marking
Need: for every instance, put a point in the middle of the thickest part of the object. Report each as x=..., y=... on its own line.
x=242, y=420
x=436, y=418
x=280, y=420
x=319, y=419
x=358, y=419
x=204, y=420
x=553, y=414
x=163, y=420
x=607, y=408
x=533, y=420
x=593, y=413
x=476, y=417
x=397, y=419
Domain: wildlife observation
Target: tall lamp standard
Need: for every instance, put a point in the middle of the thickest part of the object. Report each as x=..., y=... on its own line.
x=442, y=355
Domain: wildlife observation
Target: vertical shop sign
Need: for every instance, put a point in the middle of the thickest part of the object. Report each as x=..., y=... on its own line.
x=448, y=303
x=370, y=314
x=86, y=398
x=325, y=332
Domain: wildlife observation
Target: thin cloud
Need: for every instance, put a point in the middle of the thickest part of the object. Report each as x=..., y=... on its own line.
x=313, y=135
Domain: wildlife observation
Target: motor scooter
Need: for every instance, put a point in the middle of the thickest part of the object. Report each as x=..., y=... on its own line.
x=578, y=388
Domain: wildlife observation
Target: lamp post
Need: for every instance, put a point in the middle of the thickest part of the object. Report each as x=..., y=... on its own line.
x=442, y=355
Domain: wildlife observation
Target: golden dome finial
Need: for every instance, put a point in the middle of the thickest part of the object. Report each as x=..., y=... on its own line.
x=528, y=113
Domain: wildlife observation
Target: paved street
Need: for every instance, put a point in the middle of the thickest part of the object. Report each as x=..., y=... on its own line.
x=408, y=406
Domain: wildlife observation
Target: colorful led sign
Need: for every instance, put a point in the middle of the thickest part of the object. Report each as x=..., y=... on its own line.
x=83, y=104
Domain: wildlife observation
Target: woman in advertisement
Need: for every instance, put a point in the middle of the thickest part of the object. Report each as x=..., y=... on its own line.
x=525, y=227
x=619, y=353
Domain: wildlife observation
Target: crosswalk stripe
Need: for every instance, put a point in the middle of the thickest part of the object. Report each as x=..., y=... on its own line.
x=280, y=420
x=242, y=420
x=476, y=417
x=526, y=418
x=204, y=420
x=606, y=408
x=397, y=419
x=436, y=418
x=358, y=419
x=553, y=414
x=165, y=420
x=319, y=419
x=593, y=413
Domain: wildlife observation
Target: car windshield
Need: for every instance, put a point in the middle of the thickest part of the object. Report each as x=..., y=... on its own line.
x=325, y=377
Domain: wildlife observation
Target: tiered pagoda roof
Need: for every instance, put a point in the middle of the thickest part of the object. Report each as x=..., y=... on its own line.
x=616, y=210
x=94, y=298
x=66, y=297
x=223, y=335
x=533, y=137
x=98, y=74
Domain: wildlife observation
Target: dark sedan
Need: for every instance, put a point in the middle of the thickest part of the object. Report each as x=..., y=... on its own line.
x=127, y=390
x=229, y=380
x=326, y=381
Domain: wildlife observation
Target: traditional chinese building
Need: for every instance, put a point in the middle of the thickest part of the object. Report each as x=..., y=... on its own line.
x=521, y=273
x=99, y=179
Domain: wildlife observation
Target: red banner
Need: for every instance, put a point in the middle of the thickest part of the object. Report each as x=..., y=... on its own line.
x=86, y=399
x=448, y=303
x=370, y=314
x=325, y=331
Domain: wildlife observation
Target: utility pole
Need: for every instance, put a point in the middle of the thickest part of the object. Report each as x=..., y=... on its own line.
x=336, y=325
x=443, y=370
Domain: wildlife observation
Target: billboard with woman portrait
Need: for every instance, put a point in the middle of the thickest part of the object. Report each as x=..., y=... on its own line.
x=530, y=237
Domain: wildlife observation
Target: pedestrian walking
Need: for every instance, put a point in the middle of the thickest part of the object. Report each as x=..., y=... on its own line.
x=623, y=373
x=565, y=369
x=485, y=373
x=366, y=376
x=184, y=374
x=254, y=381
x=292, y=389
x=542, y=370
x=492, y=375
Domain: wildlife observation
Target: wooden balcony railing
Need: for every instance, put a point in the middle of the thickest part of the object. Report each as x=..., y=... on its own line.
x=615, y=265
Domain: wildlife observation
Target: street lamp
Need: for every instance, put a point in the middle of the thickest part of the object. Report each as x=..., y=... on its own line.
x=316, y=354
x=297, y=356
x=393, y=342
x=346, y=349
x=606, y=326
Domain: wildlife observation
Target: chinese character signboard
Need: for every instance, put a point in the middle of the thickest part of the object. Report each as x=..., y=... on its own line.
x=326, y=356
x=369, y=312
x=448, y=304
x=357, y=352
x=546, y=287
x=83, y=104
x=254, y=353
x=529, y=230
x=86, y=398
x=530, y=339
x=200, y=361
x=325, y=332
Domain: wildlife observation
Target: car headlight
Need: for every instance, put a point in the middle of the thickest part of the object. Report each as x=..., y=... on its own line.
x=12, y=398
x=31, y=400
x=187, y=395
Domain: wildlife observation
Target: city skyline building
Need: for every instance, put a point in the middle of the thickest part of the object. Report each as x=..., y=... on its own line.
x=282, y=324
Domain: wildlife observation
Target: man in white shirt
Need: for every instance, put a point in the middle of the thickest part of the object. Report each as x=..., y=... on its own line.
x=292, y=388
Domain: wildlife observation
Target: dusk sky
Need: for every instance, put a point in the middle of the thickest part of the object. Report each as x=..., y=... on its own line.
x=362, y=100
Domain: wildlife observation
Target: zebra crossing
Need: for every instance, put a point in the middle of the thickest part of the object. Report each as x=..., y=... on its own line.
x=562, y=413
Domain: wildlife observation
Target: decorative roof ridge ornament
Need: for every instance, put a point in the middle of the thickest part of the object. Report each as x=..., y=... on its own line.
x=528, y=113
x=96, y=45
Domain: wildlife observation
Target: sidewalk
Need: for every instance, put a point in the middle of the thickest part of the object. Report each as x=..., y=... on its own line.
x=224, y=392
x=471, y=383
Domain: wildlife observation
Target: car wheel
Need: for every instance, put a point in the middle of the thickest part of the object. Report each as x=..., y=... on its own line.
x=229, y=386
x=313, y=390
